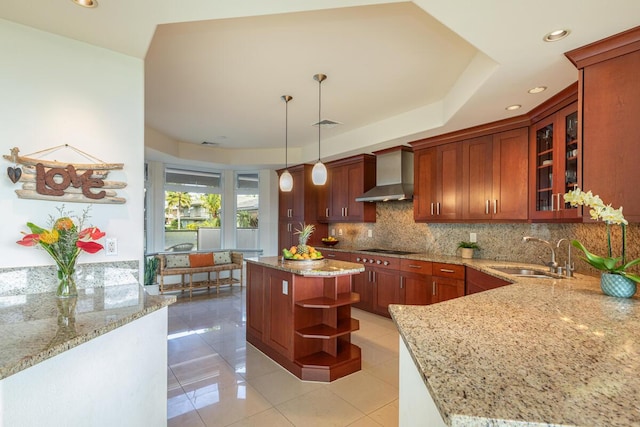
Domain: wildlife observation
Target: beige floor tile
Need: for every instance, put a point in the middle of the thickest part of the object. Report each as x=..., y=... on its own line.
x=387, y=371
x=179, y=405
x=386, y=416
x=221, y=407
x=279, y=386
x=189, y=419
x=373, y=354
x=205, y=371
x=255, y=364
x=365, y=422
x=364, y=391
x=185, y=348
x=269, y=418
x=319, y=408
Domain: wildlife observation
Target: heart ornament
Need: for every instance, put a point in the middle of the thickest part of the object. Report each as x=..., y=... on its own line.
x=14, y=174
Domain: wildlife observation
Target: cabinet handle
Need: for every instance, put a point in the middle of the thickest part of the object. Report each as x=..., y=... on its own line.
x=326, y=212
x=446, y=270
x=486, y=207
x=438, y=208
x=414, y=266
x=346, y=211
x=331, y=255
x=559, y=195
x=495, y=206
x=433, y=288
x=401, y=282
x=431, y=208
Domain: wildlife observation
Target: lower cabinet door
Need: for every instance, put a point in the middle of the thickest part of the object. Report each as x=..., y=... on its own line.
x=416, y=289
x=387, y=291
x=445, y=288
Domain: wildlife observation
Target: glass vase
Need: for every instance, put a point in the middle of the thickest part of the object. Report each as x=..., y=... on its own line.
x=616, y=285
x=66, y=281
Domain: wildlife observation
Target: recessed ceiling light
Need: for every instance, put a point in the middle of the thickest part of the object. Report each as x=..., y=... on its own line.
x=513, y=107
x=537, y=89
x=556, y=35
x=86, y=3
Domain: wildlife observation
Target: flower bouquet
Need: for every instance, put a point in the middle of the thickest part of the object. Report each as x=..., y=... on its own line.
x=64, y=241
x=614, y=268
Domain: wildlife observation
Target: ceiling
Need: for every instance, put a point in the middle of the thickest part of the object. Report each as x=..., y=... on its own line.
x=397, y=71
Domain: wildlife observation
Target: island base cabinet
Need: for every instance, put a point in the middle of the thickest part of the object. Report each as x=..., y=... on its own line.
x=304, y=324
x=415, y=404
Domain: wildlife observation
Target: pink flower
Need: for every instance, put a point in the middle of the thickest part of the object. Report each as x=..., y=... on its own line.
x=29, y=240
x=91, y=233
x=89, y=247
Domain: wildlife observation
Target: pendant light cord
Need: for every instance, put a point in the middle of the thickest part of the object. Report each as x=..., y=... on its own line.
x=286, y=134
x=319, y=109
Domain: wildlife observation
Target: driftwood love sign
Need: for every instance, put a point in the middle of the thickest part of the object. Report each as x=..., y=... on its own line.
x=47, y=184
x=64, y=181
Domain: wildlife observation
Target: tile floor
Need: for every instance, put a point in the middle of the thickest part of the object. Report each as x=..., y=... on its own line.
x=215, y=378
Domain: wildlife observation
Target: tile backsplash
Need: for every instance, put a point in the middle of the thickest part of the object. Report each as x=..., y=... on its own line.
x=395, y=229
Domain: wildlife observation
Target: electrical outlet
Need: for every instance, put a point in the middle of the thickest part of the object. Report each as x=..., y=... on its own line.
x=339, y=231
x=285, y=287
x=333, y=232
x=111, y=247
x=370, y=233
x=473, y=237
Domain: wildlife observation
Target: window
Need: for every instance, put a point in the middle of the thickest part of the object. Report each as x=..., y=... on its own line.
x=193, y=204
x=247, y=190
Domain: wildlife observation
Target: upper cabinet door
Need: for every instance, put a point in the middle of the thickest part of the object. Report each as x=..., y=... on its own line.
x=424, y=179
x=348, y=179
x=554, y=165
x=510, y=189
x=448, y=203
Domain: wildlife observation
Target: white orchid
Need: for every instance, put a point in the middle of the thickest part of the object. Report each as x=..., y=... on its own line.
x=610, y=216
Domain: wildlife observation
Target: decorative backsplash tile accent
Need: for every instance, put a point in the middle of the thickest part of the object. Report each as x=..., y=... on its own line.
x=395, y=229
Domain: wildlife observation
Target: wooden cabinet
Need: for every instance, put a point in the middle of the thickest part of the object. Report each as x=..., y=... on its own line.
x=303, y=323
x=438, y=183
x=415, y=281
x=609, y=111
x=555, y=165
x=379, y=285
x=495, y=176
x=477, y=281
x=447, y=282
x=347, y=179
x=299, y=206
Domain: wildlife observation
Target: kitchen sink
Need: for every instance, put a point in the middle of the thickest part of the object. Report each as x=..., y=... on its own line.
x=526, y=272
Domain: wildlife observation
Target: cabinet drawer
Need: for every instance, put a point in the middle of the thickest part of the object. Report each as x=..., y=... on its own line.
x=414, y=266
x=448, y=270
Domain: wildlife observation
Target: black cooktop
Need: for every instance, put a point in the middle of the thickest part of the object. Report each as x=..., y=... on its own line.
x=387, y=251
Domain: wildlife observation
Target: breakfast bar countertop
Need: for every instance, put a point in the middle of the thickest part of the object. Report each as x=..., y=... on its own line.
x=323, y=267
x=35, y=327
x=539, y=352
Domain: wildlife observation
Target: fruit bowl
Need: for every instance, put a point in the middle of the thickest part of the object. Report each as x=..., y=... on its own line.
x=327, y=242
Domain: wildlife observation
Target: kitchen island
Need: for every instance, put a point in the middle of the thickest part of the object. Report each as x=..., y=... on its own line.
x=539, y=352
x=299, y=314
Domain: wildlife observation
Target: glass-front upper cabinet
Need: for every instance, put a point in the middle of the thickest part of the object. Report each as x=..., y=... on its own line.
x=555, y=165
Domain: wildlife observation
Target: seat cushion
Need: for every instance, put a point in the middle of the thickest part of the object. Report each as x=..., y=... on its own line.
x=201, y=260
x=177, y=261
x=223, y=257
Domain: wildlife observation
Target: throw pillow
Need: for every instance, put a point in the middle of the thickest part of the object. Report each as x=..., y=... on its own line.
x=200, y=260
x=223, y=257
x=177, y=261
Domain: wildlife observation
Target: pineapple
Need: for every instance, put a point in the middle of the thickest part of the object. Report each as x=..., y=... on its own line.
x=303, y=236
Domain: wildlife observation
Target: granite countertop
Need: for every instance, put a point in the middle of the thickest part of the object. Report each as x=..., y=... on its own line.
x=35, y=327
x=324, y=267
x=539, y=352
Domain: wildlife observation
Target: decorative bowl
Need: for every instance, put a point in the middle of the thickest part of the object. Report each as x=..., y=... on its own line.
x=329, y=242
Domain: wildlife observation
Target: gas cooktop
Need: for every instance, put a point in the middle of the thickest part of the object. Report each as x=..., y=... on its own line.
x=387, y=251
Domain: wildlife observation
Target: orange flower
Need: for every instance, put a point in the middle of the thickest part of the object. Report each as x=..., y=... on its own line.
x=64, y=223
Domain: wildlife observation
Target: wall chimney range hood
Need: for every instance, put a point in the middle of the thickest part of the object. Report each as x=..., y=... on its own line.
x=394, y=176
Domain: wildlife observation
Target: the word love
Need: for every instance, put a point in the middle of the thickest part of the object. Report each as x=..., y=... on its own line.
x=54, y=181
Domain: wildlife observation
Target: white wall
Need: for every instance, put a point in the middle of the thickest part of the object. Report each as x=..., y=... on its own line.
x=59, y=91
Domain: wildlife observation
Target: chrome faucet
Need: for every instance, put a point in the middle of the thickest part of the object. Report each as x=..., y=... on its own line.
x=553, y=265
x=569, y=267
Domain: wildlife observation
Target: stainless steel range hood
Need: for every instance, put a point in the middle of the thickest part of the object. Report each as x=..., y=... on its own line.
x=394, y=176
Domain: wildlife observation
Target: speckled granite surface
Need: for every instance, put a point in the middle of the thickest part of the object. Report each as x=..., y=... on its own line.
x=38, y=279
x=326, y=267
x=538, y=352
x=36, y=327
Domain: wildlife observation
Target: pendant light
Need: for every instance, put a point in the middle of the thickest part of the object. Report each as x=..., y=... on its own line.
x=286, y=180
x=319, y=172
